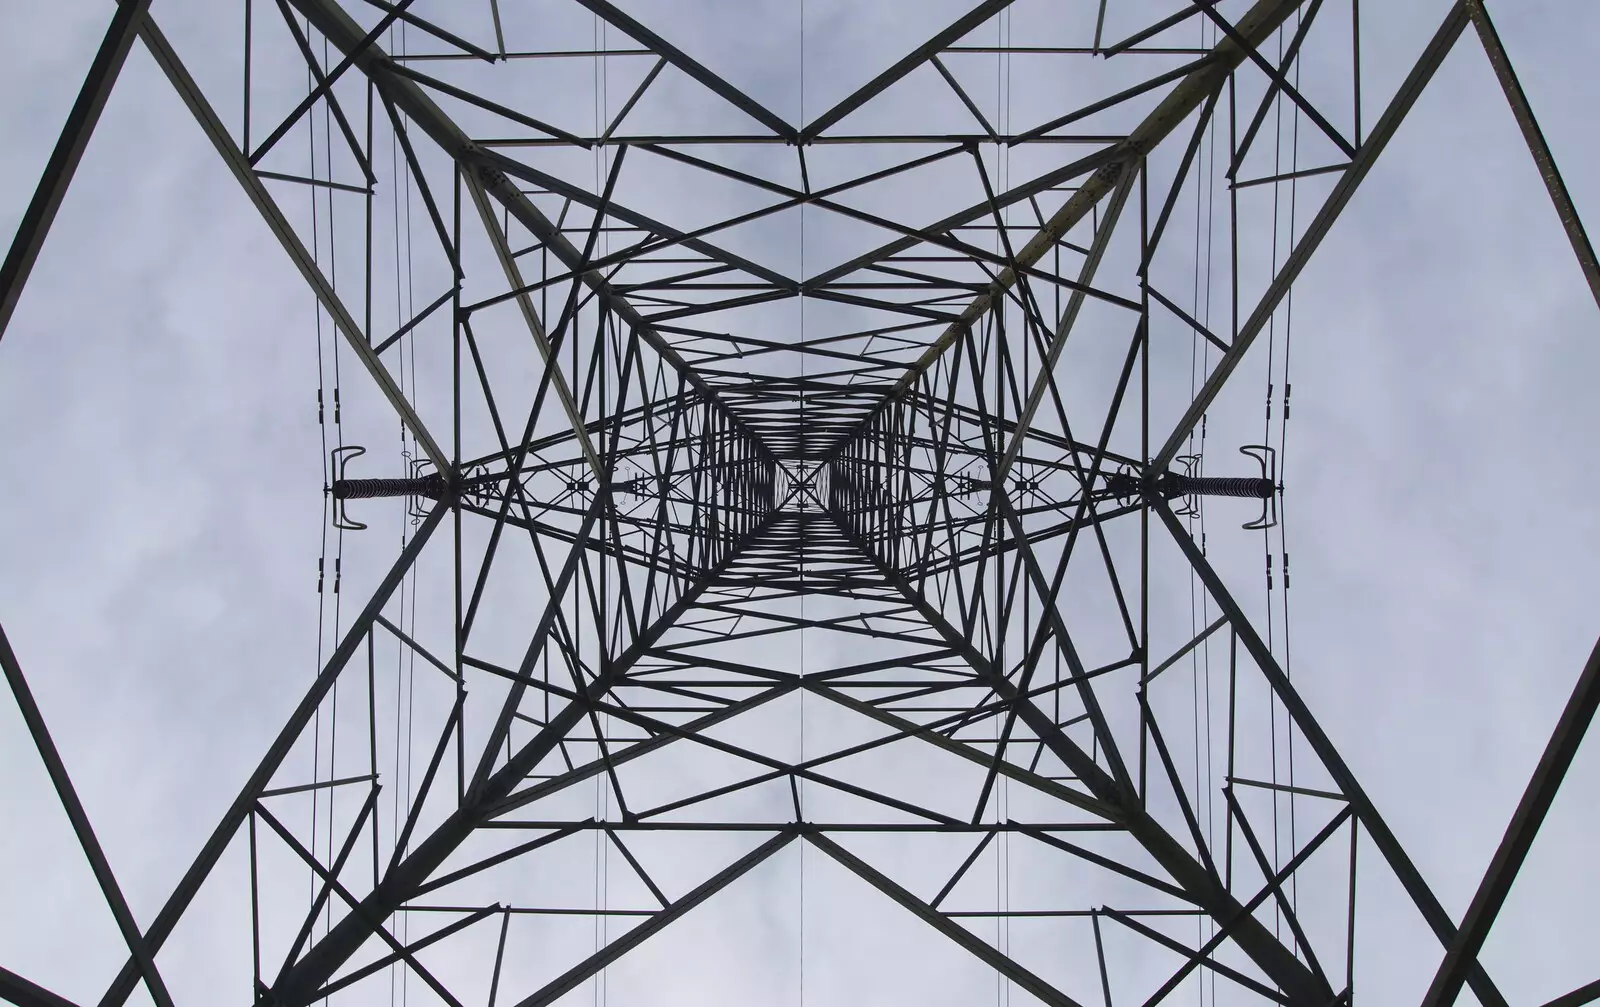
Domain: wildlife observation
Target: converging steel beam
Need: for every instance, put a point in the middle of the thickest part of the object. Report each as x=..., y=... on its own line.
x=1559, y=752
x=1259, y=22
x=1200, y=885
x=556, y=593
x=1256, y=25
x=189, y=885
x=143, y=953
x=304, y=260
x=541, y=341
x=1534, y=136
x=1382, y=837
x=15, y=989
x=914, y=498
x=63, y=163
x=922, y=54
x=1410, y=90
x=491, y=171
x=1046, y=378
x=1028, y=778
x=691, y=67
x=300, y=984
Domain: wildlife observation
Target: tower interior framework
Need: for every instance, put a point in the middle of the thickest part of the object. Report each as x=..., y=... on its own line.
x=815, y=482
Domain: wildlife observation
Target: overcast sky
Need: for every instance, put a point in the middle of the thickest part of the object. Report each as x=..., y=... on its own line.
x=159, y=538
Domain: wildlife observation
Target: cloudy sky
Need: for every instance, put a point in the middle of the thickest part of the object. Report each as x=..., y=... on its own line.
x=158, y=543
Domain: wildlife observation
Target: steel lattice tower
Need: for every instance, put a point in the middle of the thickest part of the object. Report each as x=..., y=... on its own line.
x=809, y=478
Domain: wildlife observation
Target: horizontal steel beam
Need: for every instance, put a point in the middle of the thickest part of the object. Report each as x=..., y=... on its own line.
x=980, y=948
x=904, y=66
x=580, y=973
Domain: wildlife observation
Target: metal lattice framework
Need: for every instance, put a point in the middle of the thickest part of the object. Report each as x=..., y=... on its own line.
x=930, y=494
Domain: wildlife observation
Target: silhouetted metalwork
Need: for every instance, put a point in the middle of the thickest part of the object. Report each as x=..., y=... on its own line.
x=673, y=454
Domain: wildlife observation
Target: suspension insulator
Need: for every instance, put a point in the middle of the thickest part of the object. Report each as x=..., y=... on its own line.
x=1173, y=484
x=432, y=487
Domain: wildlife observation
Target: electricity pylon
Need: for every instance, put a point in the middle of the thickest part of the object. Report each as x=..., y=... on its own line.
x=776, y=478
